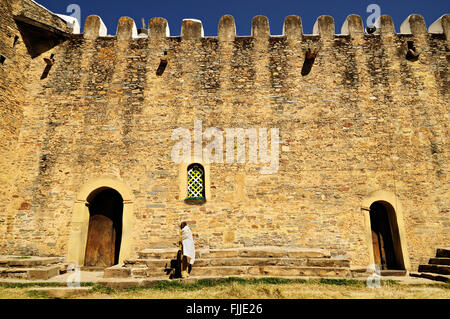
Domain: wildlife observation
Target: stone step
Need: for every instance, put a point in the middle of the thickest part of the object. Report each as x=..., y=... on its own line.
x=219, y=253
x=393, y=272
x=158, y=253
x=28, y=261
x=42, y=273
x=328, y=262
x=270, y=271
x=247, y=252
x=148, y=272
x=240, y=261
x=436, y=269
x=117, y=271
x=16, y=273
x=443, y=252
x=150, y=262
x=362, y=273
x=301, y=271
x=437, y=277
x=92, y=268
x=439, y=261
x=250, y=270
x=265, y=252
x=134, y=272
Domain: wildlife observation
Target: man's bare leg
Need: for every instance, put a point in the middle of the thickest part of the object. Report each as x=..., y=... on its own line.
x=184, y=267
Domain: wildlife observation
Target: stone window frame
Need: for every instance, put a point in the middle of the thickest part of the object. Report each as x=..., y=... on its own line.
x=183, y=182
x=196, y=179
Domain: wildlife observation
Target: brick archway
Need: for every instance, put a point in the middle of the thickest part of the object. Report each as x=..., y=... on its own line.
x=80, y=219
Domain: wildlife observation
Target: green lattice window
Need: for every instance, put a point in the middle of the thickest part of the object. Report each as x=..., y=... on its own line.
x=196, y=182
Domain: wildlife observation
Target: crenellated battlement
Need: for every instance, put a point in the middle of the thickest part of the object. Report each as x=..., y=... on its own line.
x=324, y=27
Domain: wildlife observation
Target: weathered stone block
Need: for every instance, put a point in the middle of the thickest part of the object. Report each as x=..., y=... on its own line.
x=117, y=272
x=43, y=273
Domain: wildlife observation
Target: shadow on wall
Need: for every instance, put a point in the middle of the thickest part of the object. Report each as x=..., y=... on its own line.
x=38, y=40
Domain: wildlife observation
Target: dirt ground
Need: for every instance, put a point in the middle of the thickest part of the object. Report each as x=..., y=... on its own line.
x=311, y=289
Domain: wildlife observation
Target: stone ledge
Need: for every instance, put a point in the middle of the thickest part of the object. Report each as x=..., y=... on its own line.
x=43, y=273
x=248, y=252
x=437, y=269
x=443, y=252
x=439, y=261
x=158, y=253
x=432, y=276
x=117, y=271
x=28, y=261
x=362, y=273
x=244, y=261
x=250, y=270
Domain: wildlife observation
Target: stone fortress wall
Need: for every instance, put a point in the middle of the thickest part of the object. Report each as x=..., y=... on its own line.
x=366, y=124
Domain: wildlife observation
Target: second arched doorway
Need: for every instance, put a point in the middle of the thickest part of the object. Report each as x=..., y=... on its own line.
x=386, y=242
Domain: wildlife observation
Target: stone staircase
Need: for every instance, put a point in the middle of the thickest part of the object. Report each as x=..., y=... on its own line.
x=237, y=262
x=30, y=267
x=438, y=268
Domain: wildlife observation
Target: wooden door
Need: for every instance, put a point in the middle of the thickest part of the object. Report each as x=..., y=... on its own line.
x=376, y=248
x=100, y=247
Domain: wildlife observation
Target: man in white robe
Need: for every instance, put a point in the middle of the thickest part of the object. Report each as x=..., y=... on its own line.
x=188, y=249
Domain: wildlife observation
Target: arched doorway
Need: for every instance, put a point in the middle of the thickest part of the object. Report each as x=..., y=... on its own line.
x=105, y=228
x=81, y=216
x=387, y=249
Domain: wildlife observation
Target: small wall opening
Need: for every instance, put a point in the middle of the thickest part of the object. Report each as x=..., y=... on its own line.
x=162, y=65
x=385, y=237
x=16, y=40
x=310, y=57
x=48, y=67
x=412, y=53
x=2, y=59
x=371, y=29
x=105, y=228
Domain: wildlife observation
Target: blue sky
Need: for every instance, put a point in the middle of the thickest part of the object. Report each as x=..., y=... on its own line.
x=210, y=11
